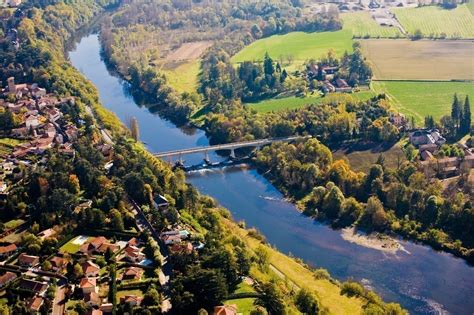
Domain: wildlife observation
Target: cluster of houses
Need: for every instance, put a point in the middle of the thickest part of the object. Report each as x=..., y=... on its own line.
x=10, y=3
x=327, y=78
x=178, y=241
x=40, y=127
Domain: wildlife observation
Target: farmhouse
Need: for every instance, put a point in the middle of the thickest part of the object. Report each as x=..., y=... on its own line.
x=421, y=137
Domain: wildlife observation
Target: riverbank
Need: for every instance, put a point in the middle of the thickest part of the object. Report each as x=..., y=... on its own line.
x=376, y=241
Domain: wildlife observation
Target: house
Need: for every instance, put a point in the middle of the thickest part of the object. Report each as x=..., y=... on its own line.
x=28, y=260
x=8, y=250
x=342, y=86
x=132, y=273
x=161, y=203
x=133, y=300
x=185, y=247
x=34, y=306
x=59, y=263
x=6, y=278
x=328, y=87
x=46, y=234
x=398, y=120
x=107, y=307
x=171, y=239
x=53, y=114
x=88, y=285
x=96, y=312
x=93, y=245
x=134, y=242
x=3, y=190
x=133, y=254
x=39, y=288
x=83, y=206
x=14, y=3
x=225, y=310
x=108, y=246
x=90, y=269
x=423, y=136
x=92, y=299
x=31, y=122
x=71, y=132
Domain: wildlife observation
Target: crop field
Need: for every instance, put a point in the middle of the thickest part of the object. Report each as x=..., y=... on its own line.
x=434, y=20
x=299, y=45
x=294, y=102
x=361, y=24
x=420, y=99
x=189, y=51
x=420, y=60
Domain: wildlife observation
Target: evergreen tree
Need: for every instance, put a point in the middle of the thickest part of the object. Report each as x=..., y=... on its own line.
x=268, y=65
x=466, y=119
x=455, y=110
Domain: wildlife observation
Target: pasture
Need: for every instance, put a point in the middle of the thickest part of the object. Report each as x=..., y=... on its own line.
x=294, y=102
x=420, y=99
x=361, y=24
x=420, y=60
x=183, y=76
x=299, y=46
x=437, y=22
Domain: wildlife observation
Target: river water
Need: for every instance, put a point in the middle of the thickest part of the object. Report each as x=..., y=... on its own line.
x=420, y=279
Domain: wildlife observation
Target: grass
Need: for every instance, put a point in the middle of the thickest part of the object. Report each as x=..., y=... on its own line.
x=136, y=292
x=70, y=247
x=301, y=46
x=361, y=24
x=434, y=20
x=13, y=238
x=7, y=145
x=14, y=223
x=294, y=102
x=328, y=292
x=244, y=306
x=362, y=158
x=420, y=99
x=184, y=78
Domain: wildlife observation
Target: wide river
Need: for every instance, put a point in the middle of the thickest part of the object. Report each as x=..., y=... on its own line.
x=420, y=279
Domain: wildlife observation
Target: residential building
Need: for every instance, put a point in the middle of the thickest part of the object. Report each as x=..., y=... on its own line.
x=46, y=234
x=90, y=269
x=423, y=136
x=225, y=310
x=88, y=285
x=6, y=278
x=28, y=260
x=132, y=273
x=133, y=300
x=8, y=250
x=92, y=299
x=37, y=287
x=34, y=306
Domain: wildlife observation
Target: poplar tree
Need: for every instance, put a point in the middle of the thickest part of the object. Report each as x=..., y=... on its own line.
x=455, y=110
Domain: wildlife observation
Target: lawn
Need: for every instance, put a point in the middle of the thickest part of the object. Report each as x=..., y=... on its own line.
x=184, y=77
x=301, y=46
x=136, y=292
x=14, y=223
x=434, y=20
x=419, y=99
x=361, y=24
x=420, y=60
x=294, y=102
x=244, y=306
x=70, y=247
x=328, y=292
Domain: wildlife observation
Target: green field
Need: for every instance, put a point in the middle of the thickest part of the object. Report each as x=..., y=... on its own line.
x=301, y=46
x=12, y=224
x=184, y=78
x=361, y=24
x=294, y=102
x=434, y=20
x=419, y=99
x=70, y=247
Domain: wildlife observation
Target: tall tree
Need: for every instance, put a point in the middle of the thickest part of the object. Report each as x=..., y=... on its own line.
x=268, y=65
x=466, y=118
x=455, y=110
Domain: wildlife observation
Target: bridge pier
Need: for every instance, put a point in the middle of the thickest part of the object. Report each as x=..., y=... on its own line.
x=206, y=157
x=232, y=154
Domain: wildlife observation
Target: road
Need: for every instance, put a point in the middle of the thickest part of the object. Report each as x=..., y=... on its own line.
x=59, y=303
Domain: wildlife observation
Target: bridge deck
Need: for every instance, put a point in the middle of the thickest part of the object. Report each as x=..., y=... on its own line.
x=227, y=146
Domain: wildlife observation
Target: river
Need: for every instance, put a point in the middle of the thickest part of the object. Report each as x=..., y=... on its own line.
x=420, y=279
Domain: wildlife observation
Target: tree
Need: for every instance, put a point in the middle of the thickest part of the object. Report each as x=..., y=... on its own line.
x=116, y=220
x=465, y=124
x=268, y=68
x=152, y=297
x=270, y=298
x=77, y=271
x=375, y=213
x=46, y=266
x=306, y=302
x=455, y=111
x=134, y=129
x=333, y=202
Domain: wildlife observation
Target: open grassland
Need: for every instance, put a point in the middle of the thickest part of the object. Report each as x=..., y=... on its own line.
x=329, y=293
x=435, y=21
x=420, y=99
x=299, y=45
x=361, y=24
x=420, y=60
x=361, y=158
x=184, y=77
x=294, y=102
x=7, y=145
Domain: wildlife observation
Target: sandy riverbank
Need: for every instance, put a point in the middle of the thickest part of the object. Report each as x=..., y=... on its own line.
x=375, y=240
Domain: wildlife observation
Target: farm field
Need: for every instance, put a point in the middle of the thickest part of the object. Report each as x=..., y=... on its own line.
x=184, y=77
x=419, y=99
x=294, y=102
x=301, y=46
x=434, y=20
x=420, y=60
x=361, y=24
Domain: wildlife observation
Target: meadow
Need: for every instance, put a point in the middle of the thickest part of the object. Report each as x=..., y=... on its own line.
x=420, y=99
x=361, y=24
x=184, y=77
x=294, y=102
x=301, y=46
x=419, y=60
x=435, y=21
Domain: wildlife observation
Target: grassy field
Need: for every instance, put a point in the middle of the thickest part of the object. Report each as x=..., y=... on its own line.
x=294, y=102
x=70, y=247
x=245, y=305
x=184, y=78
x=361, y=24
x=7, y=145
x=328, y=292
x=434, y=20
x=14, y=223
x=420, y=60
x=362, y=158
x=419, y=99
x=302, y=46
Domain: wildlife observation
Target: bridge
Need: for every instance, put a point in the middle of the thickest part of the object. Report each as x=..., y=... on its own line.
x=228, y=146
